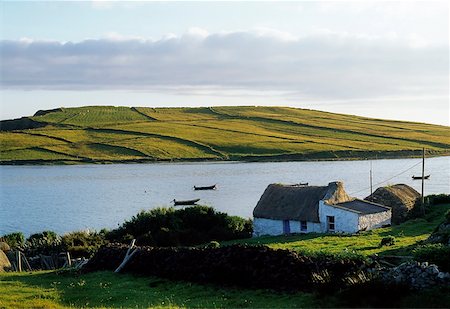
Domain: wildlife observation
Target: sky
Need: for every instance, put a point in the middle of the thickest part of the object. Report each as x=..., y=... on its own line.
x=382, y=59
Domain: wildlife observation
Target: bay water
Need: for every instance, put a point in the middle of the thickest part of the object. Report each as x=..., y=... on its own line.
x=79, y=197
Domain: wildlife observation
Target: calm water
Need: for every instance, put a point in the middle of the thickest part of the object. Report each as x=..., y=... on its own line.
x=67, y=198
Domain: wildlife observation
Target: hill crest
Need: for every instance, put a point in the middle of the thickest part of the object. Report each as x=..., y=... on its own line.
x=101, y=134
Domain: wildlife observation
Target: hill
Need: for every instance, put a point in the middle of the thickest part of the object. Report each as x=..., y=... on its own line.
x=102, y=134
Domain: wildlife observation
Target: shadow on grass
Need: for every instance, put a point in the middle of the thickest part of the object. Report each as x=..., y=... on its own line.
x=107, y=289
x=403, y=251
x=270, y=240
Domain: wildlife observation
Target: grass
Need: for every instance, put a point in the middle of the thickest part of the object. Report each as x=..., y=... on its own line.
x=44, y=289
x=219, y=133
x=109, y=290
x=407, y=235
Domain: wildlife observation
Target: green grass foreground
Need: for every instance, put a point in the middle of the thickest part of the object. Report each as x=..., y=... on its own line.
x=110, y=290
x=407, y=236
x=45, y=289
x=102, y=134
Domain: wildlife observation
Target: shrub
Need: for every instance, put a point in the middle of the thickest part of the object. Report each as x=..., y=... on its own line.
x=438, y=254
x=186, y=227
x=14, y=240
x=47, y=242
x=83, y=243
x=420, y=211
x=213, y=244
x=447, y=216
x=436, y=199
x=387, y=241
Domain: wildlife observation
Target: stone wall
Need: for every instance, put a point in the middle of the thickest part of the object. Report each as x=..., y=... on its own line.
x=263, y=226
x=416, y=275
x=237, y=265
x=373, y=221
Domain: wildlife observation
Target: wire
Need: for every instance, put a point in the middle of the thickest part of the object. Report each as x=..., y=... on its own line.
x=377, y=184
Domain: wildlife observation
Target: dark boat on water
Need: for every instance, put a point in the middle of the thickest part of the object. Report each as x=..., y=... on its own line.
x=213, y=187
x=420, y=177
x=186, y=202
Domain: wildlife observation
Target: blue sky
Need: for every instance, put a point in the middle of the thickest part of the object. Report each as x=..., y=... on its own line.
x=380, y=59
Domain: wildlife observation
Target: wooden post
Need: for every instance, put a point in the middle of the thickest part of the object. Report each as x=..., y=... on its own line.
x=127, y=257
x=25, y=262
x=19, y=261
x=69, y=261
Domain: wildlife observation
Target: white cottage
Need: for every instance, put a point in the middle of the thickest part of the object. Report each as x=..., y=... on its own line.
x=285, y=209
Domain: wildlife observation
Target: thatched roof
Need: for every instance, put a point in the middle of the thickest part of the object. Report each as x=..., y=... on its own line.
x=284, y=202
x=400, y=197
x=4, y=262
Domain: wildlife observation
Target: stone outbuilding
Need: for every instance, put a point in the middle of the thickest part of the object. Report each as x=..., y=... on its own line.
x=285, y=209
x=400, y=197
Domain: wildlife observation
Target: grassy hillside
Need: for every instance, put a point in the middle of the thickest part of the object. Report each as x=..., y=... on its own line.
x=122, y=134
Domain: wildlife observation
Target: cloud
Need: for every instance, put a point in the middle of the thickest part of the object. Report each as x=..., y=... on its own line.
x=325, y=65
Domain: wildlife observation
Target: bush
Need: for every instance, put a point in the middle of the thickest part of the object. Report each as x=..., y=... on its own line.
x=436, y=199
x=185, y=227
x=14, y=240
x=47, y=242
x=447, y=216
x=213, y=244
x=387, y=241
x=438, y=254
x=83, y=243
x=420, y=211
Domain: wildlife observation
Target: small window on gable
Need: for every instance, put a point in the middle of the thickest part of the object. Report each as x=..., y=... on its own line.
x=303, y=226
x=330, y=223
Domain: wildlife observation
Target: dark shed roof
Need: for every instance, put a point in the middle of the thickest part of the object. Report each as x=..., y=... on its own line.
x=284, y=202
x=363, y=207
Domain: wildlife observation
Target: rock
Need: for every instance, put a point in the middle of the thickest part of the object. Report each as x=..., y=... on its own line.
x=433, y=269
x=441, y=234
x=416, y=275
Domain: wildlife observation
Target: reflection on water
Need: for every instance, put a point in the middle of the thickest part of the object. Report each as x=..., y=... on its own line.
x=67, y=198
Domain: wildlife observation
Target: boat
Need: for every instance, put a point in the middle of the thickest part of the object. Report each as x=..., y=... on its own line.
x=420, y=177
x=303, y=184
x=213, y=187
x=186, y=202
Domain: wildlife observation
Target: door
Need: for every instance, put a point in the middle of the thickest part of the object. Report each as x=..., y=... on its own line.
x=286, y=227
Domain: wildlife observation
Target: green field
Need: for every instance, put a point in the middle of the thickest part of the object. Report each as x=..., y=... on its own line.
x=101, y=134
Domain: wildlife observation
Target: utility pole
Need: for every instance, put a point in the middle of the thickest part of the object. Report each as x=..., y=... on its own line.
x=371, y=191
x=423, y=179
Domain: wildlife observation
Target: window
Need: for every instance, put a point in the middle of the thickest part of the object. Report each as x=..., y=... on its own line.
x=303, y=226
x=330, y=223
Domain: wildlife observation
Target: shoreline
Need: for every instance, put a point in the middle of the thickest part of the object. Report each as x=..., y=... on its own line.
x=297, y=157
